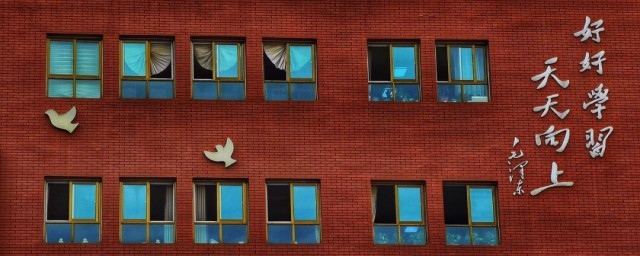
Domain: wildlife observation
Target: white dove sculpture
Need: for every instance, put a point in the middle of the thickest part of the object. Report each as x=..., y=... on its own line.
x=223, y=154
x=63, y=121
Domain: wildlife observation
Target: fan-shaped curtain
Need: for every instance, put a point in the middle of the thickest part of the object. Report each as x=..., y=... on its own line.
x=277, y=53
x=204, y=55
x=160, y=57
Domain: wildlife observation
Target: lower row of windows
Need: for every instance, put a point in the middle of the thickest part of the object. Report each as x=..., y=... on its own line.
x=147, y=212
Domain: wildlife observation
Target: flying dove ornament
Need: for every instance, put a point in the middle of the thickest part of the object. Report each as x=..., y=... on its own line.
x=63, y=121
x=223, y=154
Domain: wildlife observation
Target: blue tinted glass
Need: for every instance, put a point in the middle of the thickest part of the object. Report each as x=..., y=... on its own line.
x=485, y=236
x=227, y=61
x=301, y=61
x=231, y=201
x=409, y=204
x=134, y=206
x=59, y=88
x=449, y=93
x=161, y=234
x=276, y=91
x=61, y=57
x=404, y=62
x=307, y=234
x=89, y=89
x=407, y=92
x=461, y=63
x=303, y=91
x=481, y=204
x=304, y=202
x=476, y=93
x=134, y=233
x=134, y=59
x=161, y=89
x=380, y=92
x=413, y=235
x=84, y=201
x=279, y=234
x=234, y=234
x=58, y=233
x=207, y=234
x=86, y=233
x=480, y=62
x=87, y=58
x=385, y=234
x=232, y=91
x=458, y=236
x=205, y=90
x=134, y=89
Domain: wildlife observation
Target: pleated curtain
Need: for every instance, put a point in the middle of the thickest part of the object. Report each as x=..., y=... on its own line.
x=277, y=53
x=160, y=57
x=201, y=231
x=204, y=55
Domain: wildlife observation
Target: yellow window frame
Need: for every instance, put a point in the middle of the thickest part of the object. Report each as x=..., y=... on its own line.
x=399, y=224
x=218, y=220
x=147, y=220
x=293, y=222
x=290, y=80
x=147, y=77
x=71, y=220
x=393, y=81
x=73, y=75
x=475, y=80
x=472, y=224
x=214, y=65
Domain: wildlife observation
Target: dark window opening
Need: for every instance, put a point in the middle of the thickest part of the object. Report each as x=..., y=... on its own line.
x=379, y=64
x=166, y=73
x=455, y=205
x=279, y=203
x=271, y=72
x=385, y=204
x=58, y=201
x=161, y=203
x=199, y=72
x=442, y=63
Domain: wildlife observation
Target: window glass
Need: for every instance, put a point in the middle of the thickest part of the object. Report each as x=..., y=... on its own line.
x=207, y=234
x=385, y=234
x=227, y=61
x=407, y=92
x=58, y=233
x=88, y=58
x=84, y=201
x=399, y=60
x=160, y=59
x=304, y=201
x=277, y=91
x=476, y=93
x=231, y=204
x=205, y=90
x=234, y=234
x=301, y=61
x=161, y=89
x=303, y=91
x=135, y=202
x=89, y=89
x=61, y=57
x=381, y=92
x=449, y=93
x=280, y=234
x=413, y=235
x=304, y=227
x=161, y=234
x=472, y=221
x=206, y=203
x=285, y=64
x=480, y=63
x=134, y=89
x=58, y=201
x=161, y=202
x=404, y=62
x=134, y=233
x=60, y=88
x=231, y=91
x=485, y=236
x=86, y=233
x=307, y=234
x=461, y=63
x=134, y=59
x=72, y=214
x=410, y=204
x=481, y=204
x=458, y=236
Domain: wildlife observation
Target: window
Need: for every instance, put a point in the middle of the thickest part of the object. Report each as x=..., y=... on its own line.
x=289, y=72
x=393, y=72
x=292, y=213
x=398, y=214
x=227, y=82
x=74, y=68
x=147, y=69
x=469, y=215
x=147, y=212
x=462, y=73
x=220, y=212
x=72, y=212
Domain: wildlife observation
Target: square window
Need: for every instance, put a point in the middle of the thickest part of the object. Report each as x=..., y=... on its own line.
x=293, y=213
x=227, y=59
x=146, y=69
x=462, y=72
x=469, y=214
x=148, y=210
x=289, y=72
x=220, y=212
x=72, y=212
x=393, y=72
x=74, y=68
x=398, y=214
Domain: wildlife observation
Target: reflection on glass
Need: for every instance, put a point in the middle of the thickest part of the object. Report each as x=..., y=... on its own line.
x=86, y=233
x=404, y=62
x=276, y=91
x=231, y=91
x=88, y=89
x=134, y=233
x=161, y=234
x=485, y=236
x=58, y=233
x=301, y=62
x=231, y=202
x=59, y=88
x=303, y=91
x=481, y=204
x=458, y=236
x=134, y=59
x=207, y=234
x=380, y=92
x=227, y=61
x=87, y=58
x=413, y=235
x=476, y=93
x=304, y=202
x=385, y=234
x=161, y=89
x=461, y=63
x=134, y=89
x=205, y=90
x=307, y=234
x=84, y=201
x=61, y=57
x=407, y=92
x=234, y=234
x=449, y=93
x=409, y=204
x=480, y=62
x=280, y=234
x=134, y=206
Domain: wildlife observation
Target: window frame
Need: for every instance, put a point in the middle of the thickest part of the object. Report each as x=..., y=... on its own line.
x=293, y=222
x=393, y=81
x=290, y=80
x=472, y=224
x=219, y=221
x=148, y=222
x=399, y=224
x=486, y=82
x=97, y=220
x=73, y=77
x=147, y=78
x=218, y=80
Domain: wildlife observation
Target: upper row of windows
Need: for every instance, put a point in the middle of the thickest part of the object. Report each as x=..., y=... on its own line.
x=74, y=70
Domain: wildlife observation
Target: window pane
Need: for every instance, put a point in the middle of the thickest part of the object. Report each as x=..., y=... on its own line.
x=61, y=57
x=134, y=233
x=271, y=72
x=409, y=204
x=84, y=201
x=385, y=234
x=413, y=235
x=134, y=59
x=58, y=201
x=205, y=90
x=89, y=89
x=301, y=61
x=278, y=203
x=461, y=63
x=161, y=205
x=134, y=206
x=207, y=234
x=86, y=233
x=404, y=62
x=234, y=234
x=481, y=204
x=303, y=91
x=379, y=63
x=232, y=91
x=480, y=62
x=455, y=205
x=276, y=91
x=227, y=61
x=307, y=234
x=206, y=203
x=161, y=89
x=385, y=200
x=58, y=233
x=449, y=93
x=304, y=202
x=161, y=234
x=202, y=61
x=279, y=234
x=59, y=88
x=407, y=92
x=485, y=236
x=380, y=92
x=161, y=60
x=458, y=236
x=231, y=203
x=134, y=89
x=87, y=58
x=476, y=93
x=442, y=63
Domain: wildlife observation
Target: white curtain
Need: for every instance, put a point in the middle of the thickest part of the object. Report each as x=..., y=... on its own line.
x=277, y=53
x=300, y=57
x=160, y=57
x=201, y=202
x=374, y=199
x=204, y=55
x=87, y=58
x=61, y=57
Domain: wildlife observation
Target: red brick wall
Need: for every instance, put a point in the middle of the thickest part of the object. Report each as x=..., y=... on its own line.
x=342, y=139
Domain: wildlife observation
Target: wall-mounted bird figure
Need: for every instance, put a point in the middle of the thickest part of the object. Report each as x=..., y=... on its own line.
x=63, y=121
x=223, y=154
